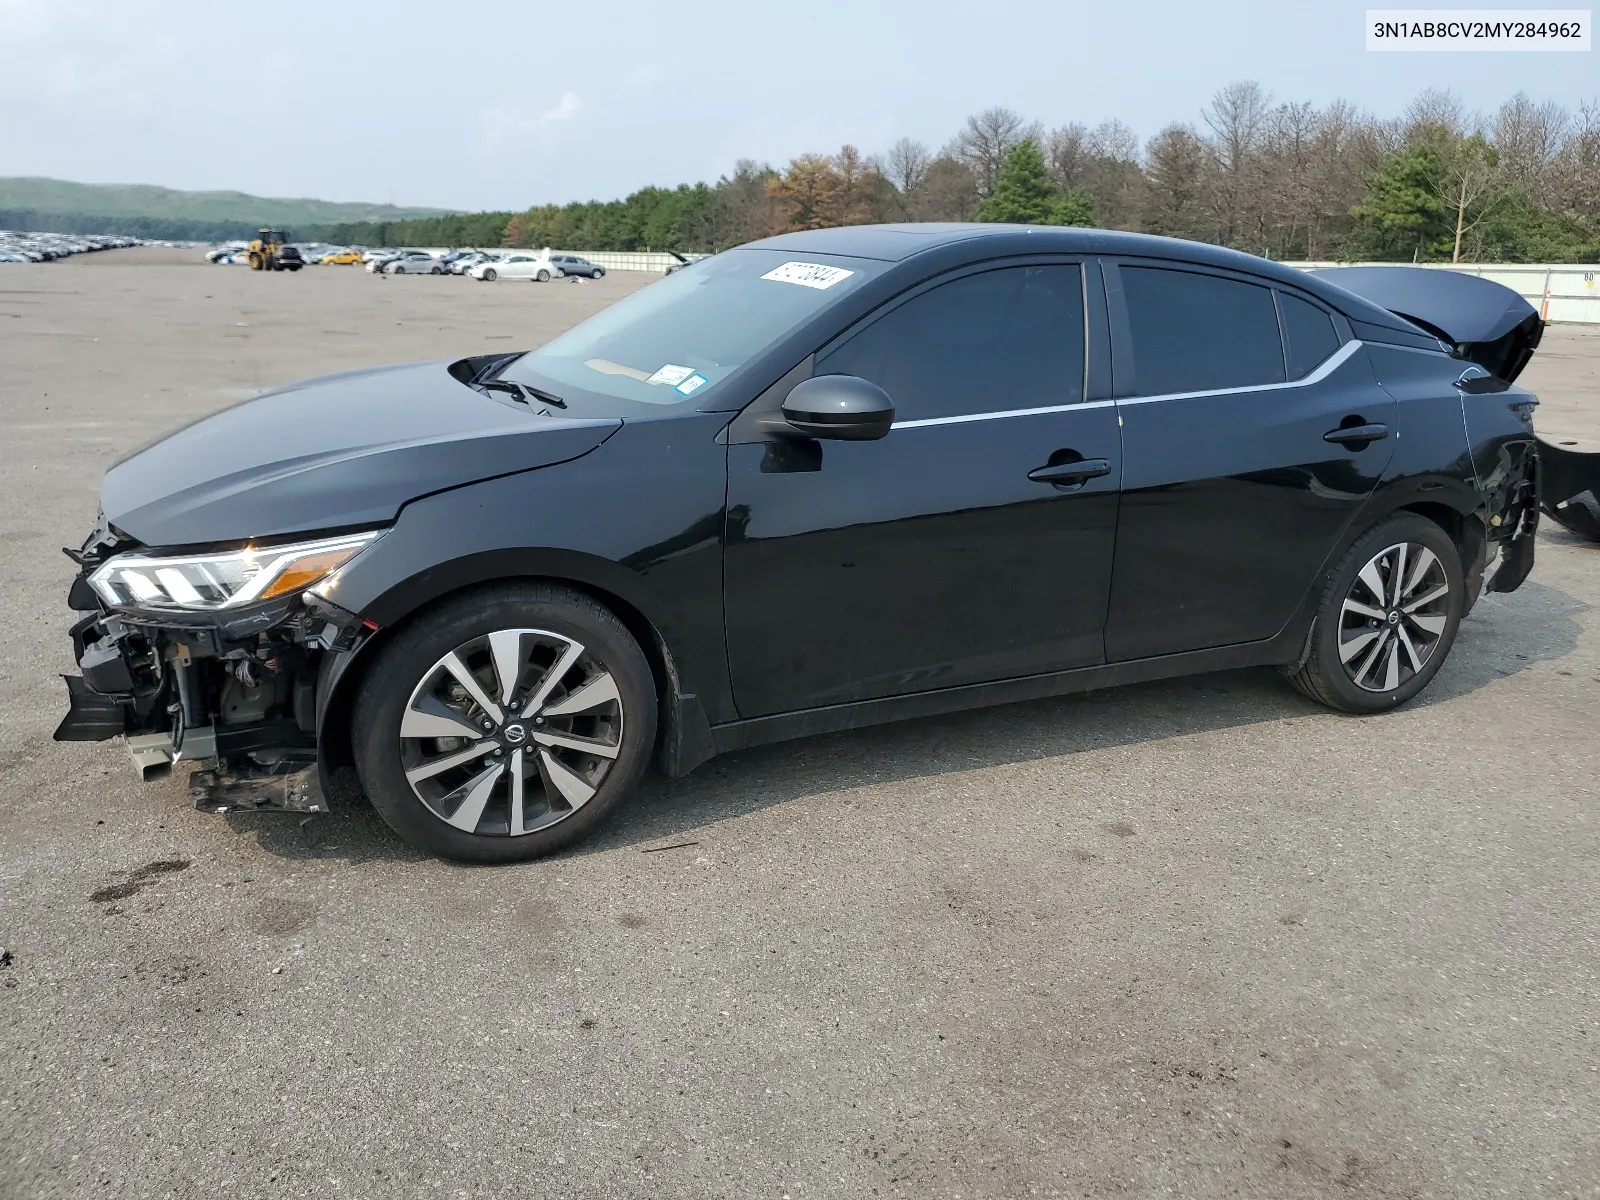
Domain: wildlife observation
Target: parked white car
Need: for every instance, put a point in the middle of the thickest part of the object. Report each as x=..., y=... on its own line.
x=521, y=264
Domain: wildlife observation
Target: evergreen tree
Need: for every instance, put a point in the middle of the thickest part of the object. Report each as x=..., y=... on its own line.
x=1023, y=192
x=1401, y=215
x=1075, y=207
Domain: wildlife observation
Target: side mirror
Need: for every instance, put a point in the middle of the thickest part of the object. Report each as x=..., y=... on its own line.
x=840, y=407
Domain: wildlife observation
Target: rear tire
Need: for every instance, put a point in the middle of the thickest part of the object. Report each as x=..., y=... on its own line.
x=456, y=778
x=1388, y=617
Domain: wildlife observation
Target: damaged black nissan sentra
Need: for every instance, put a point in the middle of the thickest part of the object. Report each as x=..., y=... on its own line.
x=821, y=481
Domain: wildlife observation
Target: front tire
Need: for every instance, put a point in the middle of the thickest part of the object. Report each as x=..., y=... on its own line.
x=489, y=276
x=543, y=276
x=1388, y=617
x=597, y=273
x=505, y=725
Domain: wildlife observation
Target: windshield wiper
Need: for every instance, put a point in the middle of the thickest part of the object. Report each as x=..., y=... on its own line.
x=521, y=392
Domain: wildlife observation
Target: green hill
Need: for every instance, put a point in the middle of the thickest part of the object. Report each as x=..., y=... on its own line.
x=146, y=211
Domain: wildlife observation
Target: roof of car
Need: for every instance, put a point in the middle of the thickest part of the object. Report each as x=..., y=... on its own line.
x=895, y=243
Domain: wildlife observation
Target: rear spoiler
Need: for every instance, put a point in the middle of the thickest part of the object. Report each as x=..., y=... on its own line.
x=1481, y=321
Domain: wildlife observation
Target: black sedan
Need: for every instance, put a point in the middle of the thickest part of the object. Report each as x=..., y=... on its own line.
x=821, y=481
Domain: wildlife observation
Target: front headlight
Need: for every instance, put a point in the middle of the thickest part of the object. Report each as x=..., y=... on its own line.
x=232, y=579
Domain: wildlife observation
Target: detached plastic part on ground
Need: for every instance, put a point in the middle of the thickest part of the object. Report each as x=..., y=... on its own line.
x=1488, y=324
x=1569, y=489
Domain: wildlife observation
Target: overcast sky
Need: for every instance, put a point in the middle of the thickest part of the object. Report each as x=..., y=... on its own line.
x=506, y=103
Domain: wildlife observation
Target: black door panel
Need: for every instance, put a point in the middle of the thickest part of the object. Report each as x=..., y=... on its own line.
x=937, y=555
x=925, y=560
x=1232, y=498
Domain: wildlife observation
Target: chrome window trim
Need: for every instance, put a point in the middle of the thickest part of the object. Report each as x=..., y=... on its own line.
x=994, y=416
x=1329, y=365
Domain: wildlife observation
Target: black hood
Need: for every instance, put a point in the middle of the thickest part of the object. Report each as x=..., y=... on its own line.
x=1486, y=322
x=333, y=453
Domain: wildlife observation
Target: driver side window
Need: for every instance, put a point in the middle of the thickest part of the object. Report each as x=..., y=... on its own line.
x=1006, y=339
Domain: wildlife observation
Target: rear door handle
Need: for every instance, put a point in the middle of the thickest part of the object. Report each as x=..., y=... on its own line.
x=1346, y=434
x=1081, y=471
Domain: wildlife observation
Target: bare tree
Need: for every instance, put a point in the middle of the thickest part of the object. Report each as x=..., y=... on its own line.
x=1528, y=137
x=949, y=192
x=1066, y=151
x=1115, y=141
x=1287, y=199
x=986, y=139
x=1574, y=180
x=906, y=165
x=1237, y=119
x=1176, y=164
x=1469, y=184
x=1435, y=109
x=1346, y=151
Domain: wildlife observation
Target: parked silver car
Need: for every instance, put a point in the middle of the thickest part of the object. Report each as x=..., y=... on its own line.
x=413, y=262
x=571, y=264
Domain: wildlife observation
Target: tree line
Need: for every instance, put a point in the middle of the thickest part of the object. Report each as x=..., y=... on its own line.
x=1284, y=180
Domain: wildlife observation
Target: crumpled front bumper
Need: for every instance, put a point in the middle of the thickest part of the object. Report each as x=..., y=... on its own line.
x=172, y=687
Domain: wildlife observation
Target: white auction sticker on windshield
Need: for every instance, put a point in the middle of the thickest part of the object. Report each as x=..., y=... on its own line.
x=811, y=275
x=671, y=375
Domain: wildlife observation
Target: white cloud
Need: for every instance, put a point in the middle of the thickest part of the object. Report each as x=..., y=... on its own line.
x=565, y=111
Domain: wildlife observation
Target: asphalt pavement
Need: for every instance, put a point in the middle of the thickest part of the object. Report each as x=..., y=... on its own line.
x=1198, y=938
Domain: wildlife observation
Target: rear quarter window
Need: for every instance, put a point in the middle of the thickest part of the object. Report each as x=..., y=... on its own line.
x=1308, y=333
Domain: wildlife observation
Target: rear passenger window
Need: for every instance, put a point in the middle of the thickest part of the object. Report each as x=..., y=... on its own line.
x=1309, y=333
x=1000, y=340
x=1199, y=333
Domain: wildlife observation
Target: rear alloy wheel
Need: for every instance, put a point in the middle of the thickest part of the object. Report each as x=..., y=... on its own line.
x=505, y=725
x=1388, y=618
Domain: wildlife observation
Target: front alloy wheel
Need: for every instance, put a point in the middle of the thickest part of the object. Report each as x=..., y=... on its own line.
x=511, y=732
x=504, y=724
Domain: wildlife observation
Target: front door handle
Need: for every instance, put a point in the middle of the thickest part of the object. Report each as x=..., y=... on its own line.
x=1347, y=434
x=1081, y=471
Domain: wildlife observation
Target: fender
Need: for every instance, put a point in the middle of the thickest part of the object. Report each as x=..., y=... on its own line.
x=684, y=738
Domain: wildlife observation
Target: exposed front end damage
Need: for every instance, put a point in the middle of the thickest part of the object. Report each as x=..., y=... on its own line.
x=232, y=691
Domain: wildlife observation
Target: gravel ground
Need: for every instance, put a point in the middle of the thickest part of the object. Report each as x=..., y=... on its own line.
x=1197, y=938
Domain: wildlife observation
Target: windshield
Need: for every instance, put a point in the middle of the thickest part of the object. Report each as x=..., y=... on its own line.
x=673, y=342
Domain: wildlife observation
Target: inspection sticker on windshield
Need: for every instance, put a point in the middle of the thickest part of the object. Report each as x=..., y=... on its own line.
x=671, y=375
x=811, y=275
x=690, y=384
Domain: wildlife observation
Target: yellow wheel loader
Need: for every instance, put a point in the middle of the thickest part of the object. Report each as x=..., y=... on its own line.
x=270, y=252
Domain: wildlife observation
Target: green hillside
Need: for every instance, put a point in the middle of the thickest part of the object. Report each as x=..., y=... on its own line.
x=141, y=209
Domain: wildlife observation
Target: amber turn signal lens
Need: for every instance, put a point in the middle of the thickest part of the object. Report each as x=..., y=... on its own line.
x=303, y=572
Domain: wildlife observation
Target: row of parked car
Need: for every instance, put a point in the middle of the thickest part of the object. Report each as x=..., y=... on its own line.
x=486, y=265
x=540, y=266
x=20, y=246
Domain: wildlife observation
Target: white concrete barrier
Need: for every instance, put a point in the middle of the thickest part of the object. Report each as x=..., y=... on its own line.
x=1562, y=292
